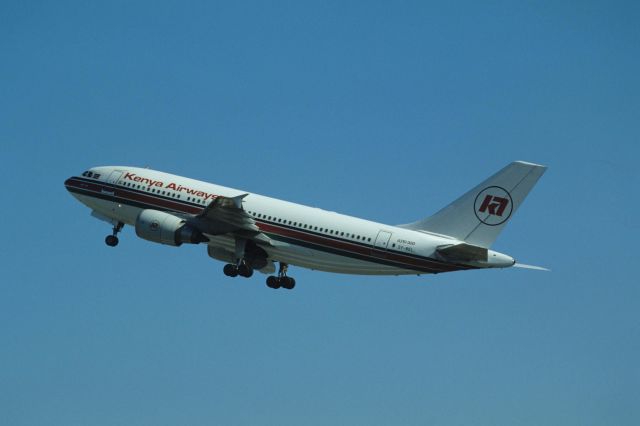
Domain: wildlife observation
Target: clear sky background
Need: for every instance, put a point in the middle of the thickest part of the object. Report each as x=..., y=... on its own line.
x=386, y=111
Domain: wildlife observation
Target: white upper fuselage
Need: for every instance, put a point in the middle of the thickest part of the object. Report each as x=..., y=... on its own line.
x=304, y=236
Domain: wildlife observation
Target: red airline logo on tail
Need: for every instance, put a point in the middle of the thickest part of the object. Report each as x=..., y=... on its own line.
x=493, y=206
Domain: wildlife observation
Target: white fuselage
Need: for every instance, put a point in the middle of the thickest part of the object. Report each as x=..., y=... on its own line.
x=304, y=236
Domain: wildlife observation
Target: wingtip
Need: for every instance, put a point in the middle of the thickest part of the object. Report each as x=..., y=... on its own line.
x=527, y=163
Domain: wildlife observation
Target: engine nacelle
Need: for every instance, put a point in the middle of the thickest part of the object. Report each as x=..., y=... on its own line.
x=165, y=228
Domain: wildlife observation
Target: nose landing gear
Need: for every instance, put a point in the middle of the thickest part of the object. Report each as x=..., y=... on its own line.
x=112, y=240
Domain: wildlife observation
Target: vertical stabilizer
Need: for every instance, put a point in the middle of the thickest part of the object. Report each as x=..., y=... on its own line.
x=479, y=215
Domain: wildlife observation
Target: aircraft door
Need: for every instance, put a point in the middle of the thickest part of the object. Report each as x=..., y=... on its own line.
x=114, y=177
x=382, y=240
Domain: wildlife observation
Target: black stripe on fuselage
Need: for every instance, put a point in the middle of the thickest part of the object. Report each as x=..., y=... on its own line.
x=145, y=200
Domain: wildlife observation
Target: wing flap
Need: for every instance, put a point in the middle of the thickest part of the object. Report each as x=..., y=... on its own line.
x=225, y=215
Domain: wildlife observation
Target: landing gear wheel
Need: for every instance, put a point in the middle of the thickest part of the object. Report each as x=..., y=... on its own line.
x=273, y=282
x=111, y=240
x=282, y=280
x=245, y=270
x=288, y=283
x=230, y=270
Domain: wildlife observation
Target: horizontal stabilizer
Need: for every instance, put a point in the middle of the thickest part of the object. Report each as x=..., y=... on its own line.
x=463, y=252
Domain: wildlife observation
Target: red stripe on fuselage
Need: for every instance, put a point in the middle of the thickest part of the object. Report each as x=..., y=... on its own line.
x=134, y=195
x=185, y=207
x=363, y=250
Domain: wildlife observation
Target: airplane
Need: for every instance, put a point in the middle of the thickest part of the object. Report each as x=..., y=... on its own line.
x=253, y=232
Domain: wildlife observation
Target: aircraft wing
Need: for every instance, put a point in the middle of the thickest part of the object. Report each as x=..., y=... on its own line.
x=225, y=215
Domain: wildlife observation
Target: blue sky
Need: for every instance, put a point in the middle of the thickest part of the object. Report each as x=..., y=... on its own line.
x=386, y=111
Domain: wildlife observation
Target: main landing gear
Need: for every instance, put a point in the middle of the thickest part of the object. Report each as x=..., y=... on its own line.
x=244, y=270
x=241, y=267
x=282, y=280
x=112, y=240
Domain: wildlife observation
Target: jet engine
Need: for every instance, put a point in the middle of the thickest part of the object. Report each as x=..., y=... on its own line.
x=164, y=228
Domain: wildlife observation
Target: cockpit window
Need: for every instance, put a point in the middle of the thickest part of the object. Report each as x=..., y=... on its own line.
x=91, y=174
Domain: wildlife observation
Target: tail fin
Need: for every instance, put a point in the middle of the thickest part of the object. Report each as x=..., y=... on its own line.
x=479, y=215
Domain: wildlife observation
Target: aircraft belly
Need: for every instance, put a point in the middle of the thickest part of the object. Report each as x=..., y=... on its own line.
x=315, y=259
x=281, y=251
x=121, y=212
x=329, y=262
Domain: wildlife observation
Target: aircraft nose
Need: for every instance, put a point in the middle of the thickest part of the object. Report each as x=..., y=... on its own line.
x=67, y=183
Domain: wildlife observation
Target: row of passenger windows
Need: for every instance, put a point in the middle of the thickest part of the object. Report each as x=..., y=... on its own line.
x=310, y=227
x=153, y=190
x=163, y=192
x=259, y=215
